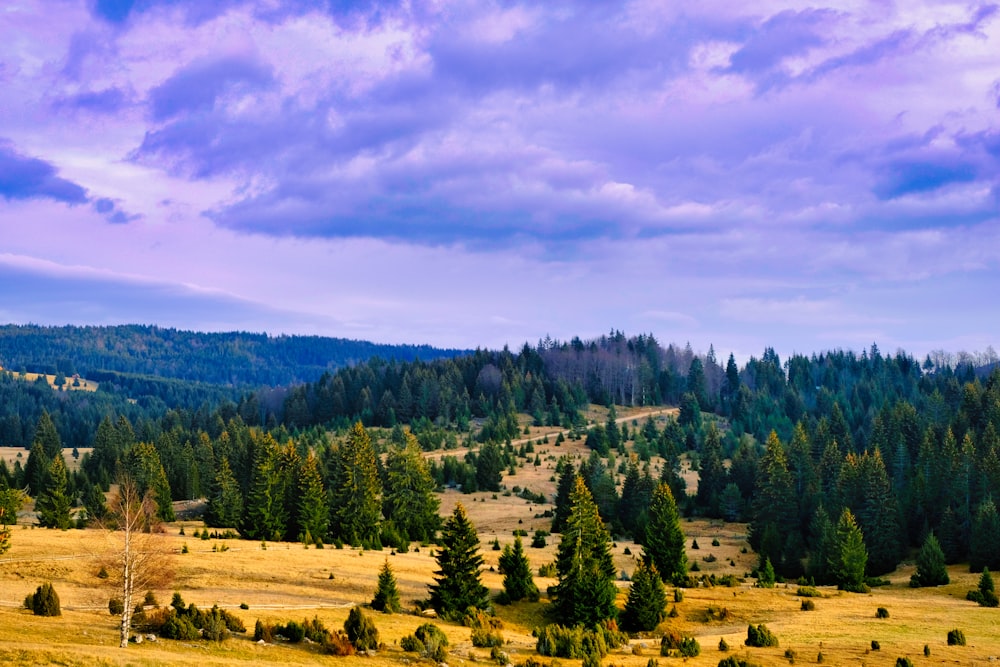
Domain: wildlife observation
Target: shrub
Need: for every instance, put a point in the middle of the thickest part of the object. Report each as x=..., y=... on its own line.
x=881, y=612
x=808, y=605
x=44, y=601
x=547, y=570
x=927, y=651
x=115, y=606
x=956, y=638
x=904, y=662
x=179, y=627
x=214, y=627
x=361, y=630
x=102, y=573
x=689, y=647
x=876, y=646
x=293, y=631
x=723, y=646
x=790, y=655
x=678, y=595
x=808, y=592
x=486, y=638
x=760, y=636
x=733, y=661
x=428, y=640
x=715, y=542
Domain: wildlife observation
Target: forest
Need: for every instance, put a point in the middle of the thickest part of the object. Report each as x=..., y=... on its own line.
x=908, y=447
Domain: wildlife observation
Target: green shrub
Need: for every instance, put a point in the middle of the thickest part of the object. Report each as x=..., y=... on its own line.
x=428, y=640
x=547, y=570
x=723, y=645
x=876, y=646
x=179, y=627
x=689, y=647
x=956, y=638
x=808, y=605
x=808, y=592
x=790, y=655
x=733, y=661
x=927, y=651
x=213, y=626
x=150, y=599
x=486, y=638
x=576, y=642
x=44, y=601
x=760, y=636
x=881, y=612
x=361, y=630
x=115, y=606
x=904, y=662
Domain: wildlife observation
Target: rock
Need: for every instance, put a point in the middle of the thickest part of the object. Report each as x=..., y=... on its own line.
x=137, y=639
x=428, y=613
x=150, y=638
x=261, y=642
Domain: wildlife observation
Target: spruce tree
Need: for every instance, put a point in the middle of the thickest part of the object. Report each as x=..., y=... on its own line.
x=142, y=463
x=849, y=557
x=36, y=469
x=47, y=435
x=984, y=549
x=386, y=593
x=355, y=490
x=225, y=502
x=410, y=502
x=712, y=475
x=264, y=512
x=647, y=600
x=518, y=584
x=457, y=582
x=931, y=570
x=567, y=480
x=664, y=541
x=585, y=594
x=53, y=502
x=489, y=467
x=775, y=508
x=311, y=510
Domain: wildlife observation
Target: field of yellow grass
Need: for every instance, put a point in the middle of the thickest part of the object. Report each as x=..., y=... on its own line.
x=288, y=582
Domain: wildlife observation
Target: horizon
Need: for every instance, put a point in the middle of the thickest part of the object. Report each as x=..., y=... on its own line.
x=478, y=175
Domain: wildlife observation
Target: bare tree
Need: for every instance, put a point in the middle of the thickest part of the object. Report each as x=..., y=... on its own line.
x=139, y=558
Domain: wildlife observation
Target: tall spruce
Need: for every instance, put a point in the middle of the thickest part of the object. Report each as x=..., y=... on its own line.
x=712, y=475
x=646, y=605
x=225, y=502
x=775, y=509
x=518, y=584
x=849, y=556
x=567, y=480
x=142, y=463
x=585, y=594
x=311, y=511
x=355, y=490
x=984, y=549
x=457, y=582
x=664, y=541
x=53, y=502
x=410, y=502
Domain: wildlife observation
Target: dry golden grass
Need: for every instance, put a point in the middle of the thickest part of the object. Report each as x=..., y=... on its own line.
x=9, y=454
x=288, y=582
x=82, y=385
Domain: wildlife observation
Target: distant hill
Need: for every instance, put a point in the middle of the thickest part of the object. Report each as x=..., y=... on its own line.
x=236, y=359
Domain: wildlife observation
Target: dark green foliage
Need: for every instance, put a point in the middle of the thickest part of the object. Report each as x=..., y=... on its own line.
x=808, y=605
x=766, y=576
x=664, y=539
x=457, y=581
x=586, y=590
x=577, y=641
x=53, y=502
x=361, y=630
x=489, y=467
x=931, y=570
x=312, y=515
x=355, y=490
x=876, y=646
x=428, y=640
x=410, y=502
x=115, y=606
x=906, y=662
x=179, y=627
x=386, y=593
x=985, y=595
x=849, y=557
x=486, y=637
x=518, y=584
x=646, y=605
x=44, y=601
x=984, y=550
x=689, y=648
x=734, y=661
x=881, y=612
x=956, y=638
x=760, y=636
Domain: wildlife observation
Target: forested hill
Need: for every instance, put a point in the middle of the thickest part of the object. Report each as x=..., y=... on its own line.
x=237, y=359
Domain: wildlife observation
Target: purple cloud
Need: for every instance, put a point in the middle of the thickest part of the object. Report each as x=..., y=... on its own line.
x=196, y=87
x=23, y=177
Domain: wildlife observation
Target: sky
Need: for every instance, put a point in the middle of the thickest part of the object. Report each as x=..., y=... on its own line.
x=475, y=174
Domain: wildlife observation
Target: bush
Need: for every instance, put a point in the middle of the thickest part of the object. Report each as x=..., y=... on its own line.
x=808, y=605
x=956, y=638
x=876, y=646
x=115, y=606
x=576, y=642
x=214, y=627
x=733, y=661
x=881, y=612
x=428, y=640
x=547, y=570
x=760, y=636
x=723, y=646
x=293, y=631
x=689, y=647
x=44, y=601
x=179, y=627
x=808, y=592
x=790, y=655
x=361, y=630
x=486, y=638
x=150, y=599
x=904, y=662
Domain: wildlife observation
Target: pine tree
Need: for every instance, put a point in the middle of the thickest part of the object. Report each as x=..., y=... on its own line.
x=53, y=503
x=585, y=594
x=567, y=480
x=931, y=570
x=264, y=511
x=822, y=537
x=36, y=469
x=984, y=549
x=647, y=600
x=518, y=584
x=225, y=502
x=142, y=463
x=311, y=510
x=489, y=467
x=48, y=436
x=712, y=475
x=664, y=541
x=458, y=585
x=775, y=507
x=410, y=502
x=355, y=490
x=386, y=593
x=849, y=557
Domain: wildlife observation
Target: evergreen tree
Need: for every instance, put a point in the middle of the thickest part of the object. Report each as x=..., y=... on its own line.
x=386, y=593
x=225, y=502
x=567, y=480
x=457, y=582
x=822, y=535
x=36, y=469
x=984, y=550
x=94, y=502
x=712, y=476
x=355, y=490
x=585, y=594
x=142, y=463
x=664, y=541
x=931, y=570
x=489, y=467
x=264, y=512
x=48, y=436
x=518, y=584
x=647, y=600
x=311, y=510
x=775, y=509
x=865, y=488
x=410, y=502
x=849, y=557
x=53, y=502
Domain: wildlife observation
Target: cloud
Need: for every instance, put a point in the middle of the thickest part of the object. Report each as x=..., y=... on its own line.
x=107, y=101
x=23, y=177
x=197, y=86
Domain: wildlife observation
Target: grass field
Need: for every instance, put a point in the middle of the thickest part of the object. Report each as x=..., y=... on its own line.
x=288, y=582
